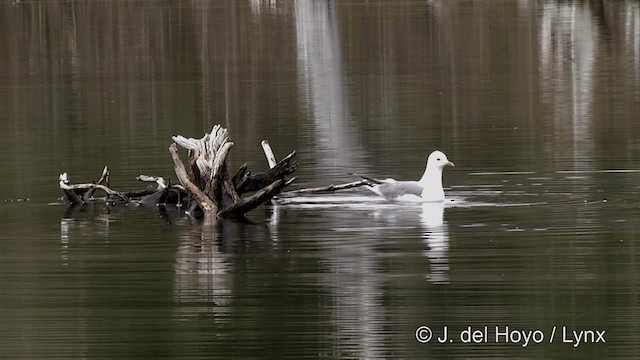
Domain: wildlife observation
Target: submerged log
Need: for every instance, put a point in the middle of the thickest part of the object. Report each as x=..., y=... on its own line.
x=209, y=184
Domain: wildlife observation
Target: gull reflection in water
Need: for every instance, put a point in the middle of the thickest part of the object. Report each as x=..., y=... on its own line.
x=426, y=218
x=429, y=219
x=436, y=239
x=355, y=272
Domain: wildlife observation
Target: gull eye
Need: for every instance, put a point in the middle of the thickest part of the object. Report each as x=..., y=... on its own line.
x=438, y=159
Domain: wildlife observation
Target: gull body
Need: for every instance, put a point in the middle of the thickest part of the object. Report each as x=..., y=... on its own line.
x=427, y=189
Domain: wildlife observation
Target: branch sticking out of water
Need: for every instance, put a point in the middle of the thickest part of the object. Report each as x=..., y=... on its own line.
x=80, y=193
x=205, y=182
x=209, y=184
x=327, y=189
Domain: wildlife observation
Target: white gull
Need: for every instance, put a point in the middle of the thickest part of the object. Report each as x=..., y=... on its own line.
x=427, y=189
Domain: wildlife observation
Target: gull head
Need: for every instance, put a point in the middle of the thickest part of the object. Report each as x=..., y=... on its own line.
x=438, y=159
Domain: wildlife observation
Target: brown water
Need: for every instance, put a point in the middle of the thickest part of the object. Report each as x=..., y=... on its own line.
x=536, y=102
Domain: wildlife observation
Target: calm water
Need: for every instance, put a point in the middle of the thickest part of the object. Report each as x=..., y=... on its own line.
x=536, y=102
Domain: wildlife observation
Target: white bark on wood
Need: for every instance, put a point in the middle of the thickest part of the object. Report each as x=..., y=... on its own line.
x=104, y=180
x=208, y=173
x=205, y=179
x=268, y=152
x=162, y=183
x=66, y=187
x=208, y=205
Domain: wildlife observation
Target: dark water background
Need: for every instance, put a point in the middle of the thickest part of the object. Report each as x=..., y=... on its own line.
x=536, y=102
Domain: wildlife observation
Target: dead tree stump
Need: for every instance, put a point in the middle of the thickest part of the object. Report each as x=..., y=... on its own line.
x=209, y=185
x=205, y=181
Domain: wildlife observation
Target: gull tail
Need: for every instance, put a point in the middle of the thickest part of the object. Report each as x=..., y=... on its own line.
x=368, y=180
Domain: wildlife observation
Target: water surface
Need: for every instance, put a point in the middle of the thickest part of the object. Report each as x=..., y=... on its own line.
x=536, y=103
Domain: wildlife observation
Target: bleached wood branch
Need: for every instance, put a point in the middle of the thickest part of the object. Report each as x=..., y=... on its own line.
x=268, y=152
x=205, y=180
x=208, y=205
x=208, y=174
x=70, y=190
x=155, y=179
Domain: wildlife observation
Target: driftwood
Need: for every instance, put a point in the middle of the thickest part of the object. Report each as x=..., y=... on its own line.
x=268, y=152
x=80, y=193
x=326, y=189
x=271, y=159
x=163, y=193
x=257, y=181
x=205, y=183
x=209, y=185
x=194, y=191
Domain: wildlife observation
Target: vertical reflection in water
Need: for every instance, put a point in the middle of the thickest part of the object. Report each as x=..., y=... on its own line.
x=65, y=230
x=274, y=221
x=357, y=312
x=631, y=24
x=205, y=76
x=568, y=37
x=567, y=41
x=202, y=272
x=352, y=276
x=258, y=5
x=91, y=220
x=436, y=239
x=321, y=82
